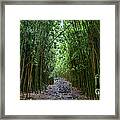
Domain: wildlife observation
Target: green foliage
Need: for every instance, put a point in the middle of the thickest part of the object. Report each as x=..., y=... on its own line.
x=65, y=48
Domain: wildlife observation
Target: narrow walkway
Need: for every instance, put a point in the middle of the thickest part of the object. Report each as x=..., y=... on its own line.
x=60, y=90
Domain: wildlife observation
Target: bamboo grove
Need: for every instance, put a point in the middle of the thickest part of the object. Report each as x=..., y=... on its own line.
x=65, y=48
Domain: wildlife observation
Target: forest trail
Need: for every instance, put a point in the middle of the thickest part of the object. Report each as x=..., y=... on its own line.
x=60, y=90
x=60, y=48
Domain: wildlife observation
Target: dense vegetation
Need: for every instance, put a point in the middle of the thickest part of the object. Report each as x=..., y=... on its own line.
x=61, y=48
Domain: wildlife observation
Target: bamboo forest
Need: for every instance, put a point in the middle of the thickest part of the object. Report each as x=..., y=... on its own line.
x=60, y=60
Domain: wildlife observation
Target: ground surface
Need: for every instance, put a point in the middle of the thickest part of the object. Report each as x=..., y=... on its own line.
x=60, y=90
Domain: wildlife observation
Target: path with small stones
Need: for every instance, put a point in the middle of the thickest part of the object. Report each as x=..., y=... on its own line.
x=60, y=90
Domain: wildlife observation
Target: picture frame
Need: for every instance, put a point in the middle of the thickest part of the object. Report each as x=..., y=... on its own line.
x=70, y=2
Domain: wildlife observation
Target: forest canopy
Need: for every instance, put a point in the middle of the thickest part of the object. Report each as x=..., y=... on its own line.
x=69, y=49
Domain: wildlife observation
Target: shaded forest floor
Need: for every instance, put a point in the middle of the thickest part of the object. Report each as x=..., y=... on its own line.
x=60, y=90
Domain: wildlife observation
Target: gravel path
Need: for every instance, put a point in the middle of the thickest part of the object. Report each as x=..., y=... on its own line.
x=60, y=90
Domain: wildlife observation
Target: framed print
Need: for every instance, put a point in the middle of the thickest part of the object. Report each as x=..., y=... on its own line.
x=59, y=59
